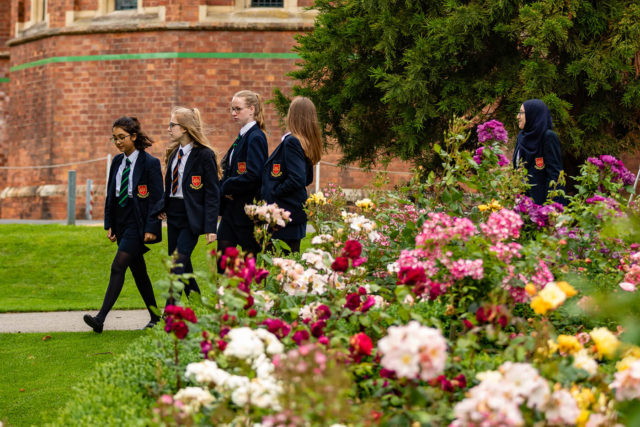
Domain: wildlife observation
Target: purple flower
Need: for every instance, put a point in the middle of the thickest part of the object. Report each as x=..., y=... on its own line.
x=502, y=160
x=492, y=129
x=595, y=161
x=478, y=156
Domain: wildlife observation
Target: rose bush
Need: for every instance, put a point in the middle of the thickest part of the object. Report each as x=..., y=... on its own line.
x=454, y=301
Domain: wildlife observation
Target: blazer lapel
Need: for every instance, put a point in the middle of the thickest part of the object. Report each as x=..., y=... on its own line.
x=193, y=156
x=137, y=170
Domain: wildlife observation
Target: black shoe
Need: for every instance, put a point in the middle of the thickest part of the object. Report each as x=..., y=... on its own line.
x=151, y=324
x=95, y=324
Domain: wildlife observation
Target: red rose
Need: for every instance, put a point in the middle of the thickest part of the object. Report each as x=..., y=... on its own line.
x=180, y=329
x=360, y=344
x=411, y=276
x=323, y=312
x=352, y=249
x=300, y=336
x=317, y=328
x=340, y=264
x=370, y=302
x=353, y=301
x=252, y=313
x=249, y=302
x=221, y=344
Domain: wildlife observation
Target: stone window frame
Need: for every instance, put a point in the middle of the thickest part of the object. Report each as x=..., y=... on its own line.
x=106, y=12
x=241, y=13
x=38, y=18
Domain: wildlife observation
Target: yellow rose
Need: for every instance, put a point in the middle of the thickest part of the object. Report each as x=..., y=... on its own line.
x=582, y=419
x=568, y=290
x=569, y=344
x=625, y=363
x=606, y=343
x=540, y=306
x=530, y=289
x=483, y=208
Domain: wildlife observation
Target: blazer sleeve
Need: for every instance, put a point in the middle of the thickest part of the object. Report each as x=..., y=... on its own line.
x=296, y=168
x=156, y=195
x=109, y=195
x=212, y=192
x=552, y=157
x=249, y=182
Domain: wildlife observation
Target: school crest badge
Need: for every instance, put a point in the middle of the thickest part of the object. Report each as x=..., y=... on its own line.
x=276, y=170
x=242, y=167
x=196, y=182
x=539, y=163
x=143, y=192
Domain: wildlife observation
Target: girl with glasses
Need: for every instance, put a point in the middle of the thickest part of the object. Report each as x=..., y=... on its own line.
x=242, y=168
x=289, y=169
x=191, y=197
x=134, y=187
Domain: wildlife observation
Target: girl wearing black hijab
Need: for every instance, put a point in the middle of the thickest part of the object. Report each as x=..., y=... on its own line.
x=538, y=148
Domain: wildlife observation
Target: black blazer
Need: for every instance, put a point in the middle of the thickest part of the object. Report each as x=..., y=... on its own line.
x=147, y=192
x=285, y=178
x=242, y=176
x=543, y=167
x=200, y=190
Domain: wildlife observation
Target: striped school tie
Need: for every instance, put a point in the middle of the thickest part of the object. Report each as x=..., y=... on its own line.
x=175, y=175
x=124, y=184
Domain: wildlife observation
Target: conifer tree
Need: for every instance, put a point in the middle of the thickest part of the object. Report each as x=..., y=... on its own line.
x=387, y=76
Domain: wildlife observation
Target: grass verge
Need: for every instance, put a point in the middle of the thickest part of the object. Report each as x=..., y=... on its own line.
x=57, y=267
x=38, y=373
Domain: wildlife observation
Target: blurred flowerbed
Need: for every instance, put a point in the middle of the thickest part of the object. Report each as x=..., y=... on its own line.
x=452, y=301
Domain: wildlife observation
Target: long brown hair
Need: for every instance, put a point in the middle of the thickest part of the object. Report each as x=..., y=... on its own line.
x=189, y=119
x=302, y=122
x=252, y=99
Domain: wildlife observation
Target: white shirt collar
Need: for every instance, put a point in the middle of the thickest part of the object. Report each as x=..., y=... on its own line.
x=284, y=136
x=186, y=149
x=246, y=127
x=133, y=156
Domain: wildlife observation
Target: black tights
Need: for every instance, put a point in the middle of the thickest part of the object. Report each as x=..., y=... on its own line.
x=136, y=264
x=185, y=267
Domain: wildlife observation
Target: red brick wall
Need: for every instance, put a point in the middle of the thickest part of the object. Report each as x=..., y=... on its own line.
x=85, y=5
x=64, y=111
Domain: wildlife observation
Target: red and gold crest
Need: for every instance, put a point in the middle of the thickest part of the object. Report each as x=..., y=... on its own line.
x=196, y=182
x=242, y=167
x=276, y=170
x=539, y=163
x=143, y=193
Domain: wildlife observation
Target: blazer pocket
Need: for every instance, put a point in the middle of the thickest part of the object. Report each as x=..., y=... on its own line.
x=142, y=191
x=196, y=182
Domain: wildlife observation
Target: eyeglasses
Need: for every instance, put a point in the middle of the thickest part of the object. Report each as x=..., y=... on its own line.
x=171, y=125
x=520, y=113
x=236, y=109
x=121, y=138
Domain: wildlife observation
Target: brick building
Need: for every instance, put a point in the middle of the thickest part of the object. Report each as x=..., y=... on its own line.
x=68, y=68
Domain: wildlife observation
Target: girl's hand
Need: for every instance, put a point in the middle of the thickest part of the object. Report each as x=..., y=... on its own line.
x=229, y=196
x=211, y=237
x=148, y=237
x=162, y=216
x=110, y=235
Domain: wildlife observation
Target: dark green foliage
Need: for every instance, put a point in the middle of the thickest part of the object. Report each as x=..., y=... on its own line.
x=388, y=76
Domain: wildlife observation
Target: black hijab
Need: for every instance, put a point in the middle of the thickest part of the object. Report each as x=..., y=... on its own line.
x=537, y=122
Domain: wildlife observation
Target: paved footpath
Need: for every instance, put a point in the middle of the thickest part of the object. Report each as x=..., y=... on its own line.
x=70, y=321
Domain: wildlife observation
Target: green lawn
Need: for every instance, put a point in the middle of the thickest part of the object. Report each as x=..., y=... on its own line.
x=58, y=267
x=37, y=376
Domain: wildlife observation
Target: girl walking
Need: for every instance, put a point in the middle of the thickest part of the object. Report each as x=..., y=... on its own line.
x=289, y=169
x=134, y=187
x=242, y=169
x=191, y=196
